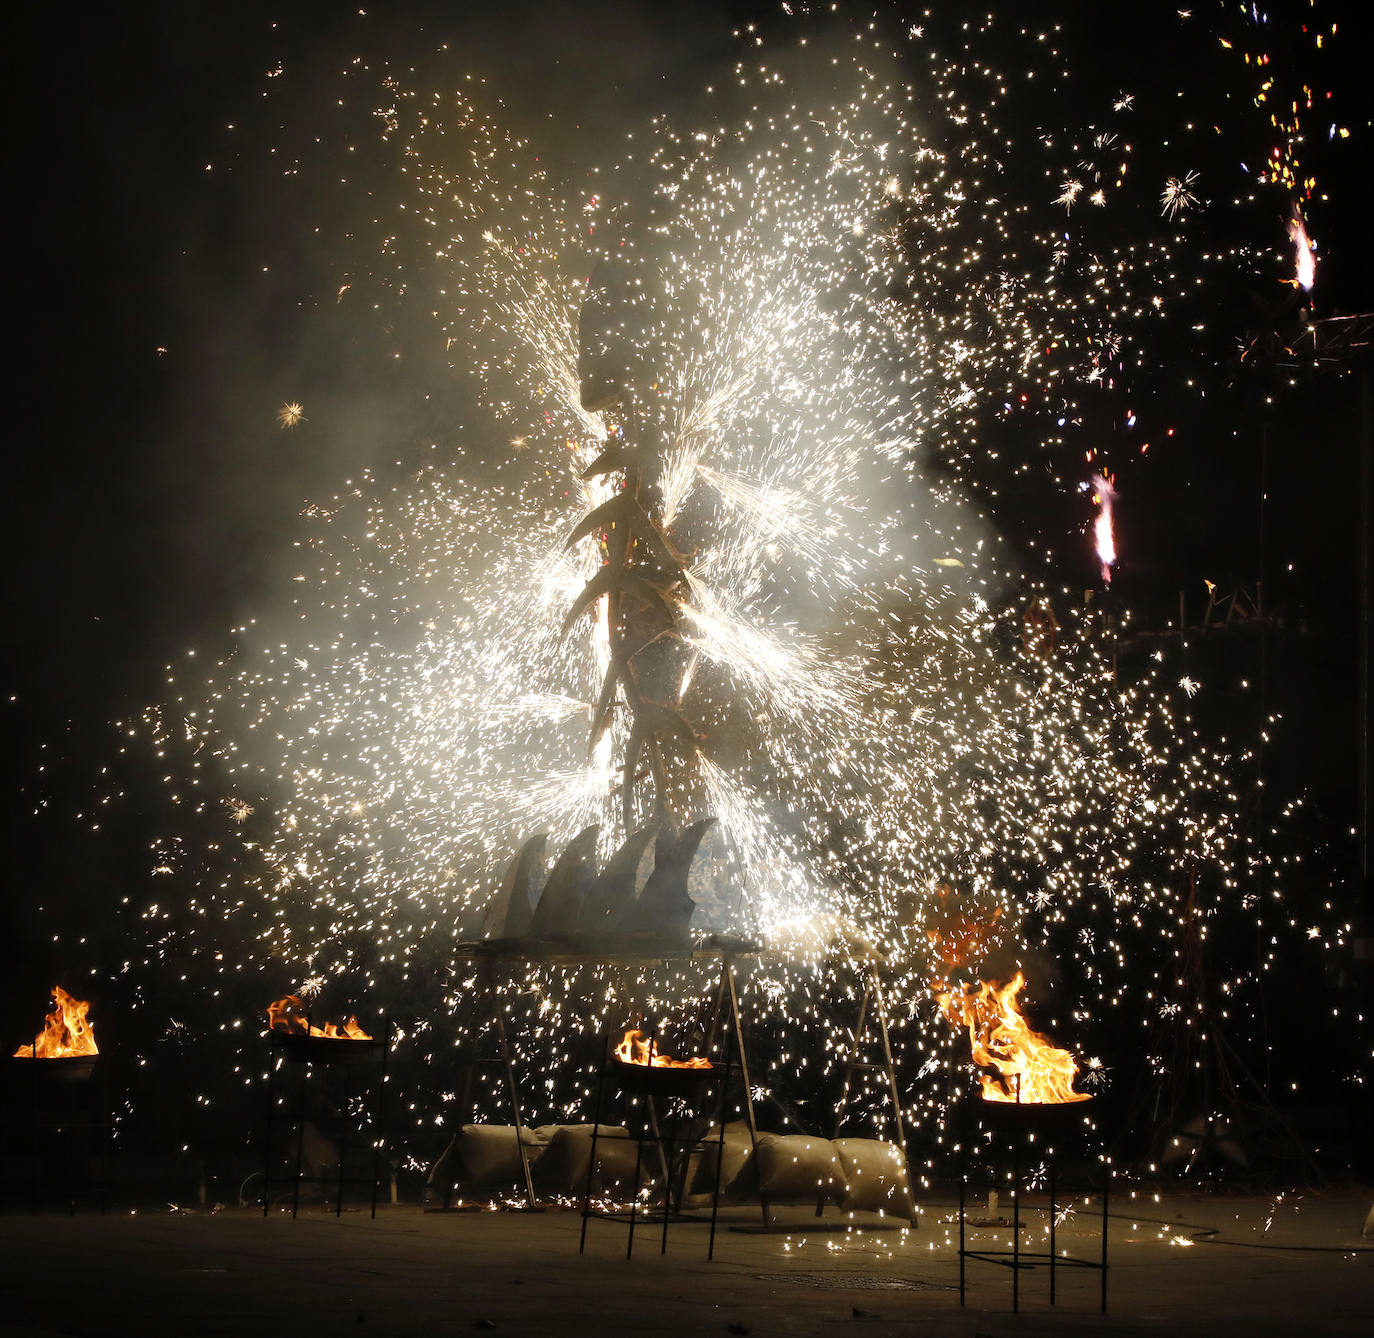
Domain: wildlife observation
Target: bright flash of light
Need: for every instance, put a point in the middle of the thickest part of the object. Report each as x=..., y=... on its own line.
x=1305, y=252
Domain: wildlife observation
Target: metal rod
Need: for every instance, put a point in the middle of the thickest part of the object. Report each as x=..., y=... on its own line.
x=668, y=1182
x=634, y=1197
x=343, y=1139
x=1106, y=1189
x=1366, y=787
x=300, y=1140
x=652, y=1107
x=720, y=1131
x=379, y=1133
x=963, y=1171
x=855, y=1042
x=271, y=1115
x=504, y=1042
x=881, y=1009
x=1016, y=1215
x=729, y=972
x=596, y=1124
x=1052, y=1217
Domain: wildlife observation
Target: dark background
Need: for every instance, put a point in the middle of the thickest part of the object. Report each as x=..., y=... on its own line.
x=153, y=498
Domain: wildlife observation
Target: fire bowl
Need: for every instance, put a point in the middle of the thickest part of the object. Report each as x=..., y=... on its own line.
x=1045, y=1119
x=72, y=1068
x=661, y=1079
x=302, y=1049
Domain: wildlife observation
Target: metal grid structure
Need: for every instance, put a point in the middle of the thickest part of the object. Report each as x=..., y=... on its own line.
x=1022, y=1121
x=677, y=1087
x=51, y=1108
x=344, y=1059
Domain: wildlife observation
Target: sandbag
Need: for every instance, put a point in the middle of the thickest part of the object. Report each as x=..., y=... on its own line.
x=486, y=1154
x=795, y=1168
x=875, y=1177
x=562, y=1171
x=736, y=1172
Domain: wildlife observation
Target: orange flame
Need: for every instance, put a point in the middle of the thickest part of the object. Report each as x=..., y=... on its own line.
x=288, y=1014
x=1029, y=1068
x=634, y=1049
x=66, y=1033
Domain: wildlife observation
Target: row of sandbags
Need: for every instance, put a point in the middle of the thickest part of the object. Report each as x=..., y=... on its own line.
x=859, y=1174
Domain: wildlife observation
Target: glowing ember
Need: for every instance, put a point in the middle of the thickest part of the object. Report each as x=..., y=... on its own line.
x=1103, y=497
x=288, y=1014
x=634, y=1049
x=1029, y=1068
x=66, y=1032
x=1306, y=258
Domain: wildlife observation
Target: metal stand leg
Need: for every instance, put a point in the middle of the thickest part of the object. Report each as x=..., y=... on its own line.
x=720, y=1146
x=1052, y=1217
x=300, y=1144
x=514, y=1105
x=634, y=1196
x=1106, y=1189
x=1016, y=1227
x=881, y=1009
x=729, y=972
x=379, y=1108
x=962, y=1184
x=343, y=1144
x=855, y=1042
x=668, y=1181
x=596, y=1125
x=271, y=1119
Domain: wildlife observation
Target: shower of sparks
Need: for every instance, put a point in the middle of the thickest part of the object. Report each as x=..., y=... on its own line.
x=290, y=414
x=830, y=298
x=1177, y=195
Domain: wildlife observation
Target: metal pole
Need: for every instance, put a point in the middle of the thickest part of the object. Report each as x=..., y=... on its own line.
x=596, y=1125
x=379, y=1133
x=514, y=1103
x=634, y=1196
x=1015, y=1224
x=271, y=1115
x=729, y=970
x=1052, y=1217
x=343, y=1138
x=1016, y=1212
x=1106, y=1188
x=881, y=1009
x=855, y=1042
x=720, y=1138
x=300, y=1141
x=962, y=1174
x=1366, y=596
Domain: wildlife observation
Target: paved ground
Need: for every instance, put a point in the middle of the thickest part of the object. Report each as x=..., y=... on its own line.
x=1257, y=1267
